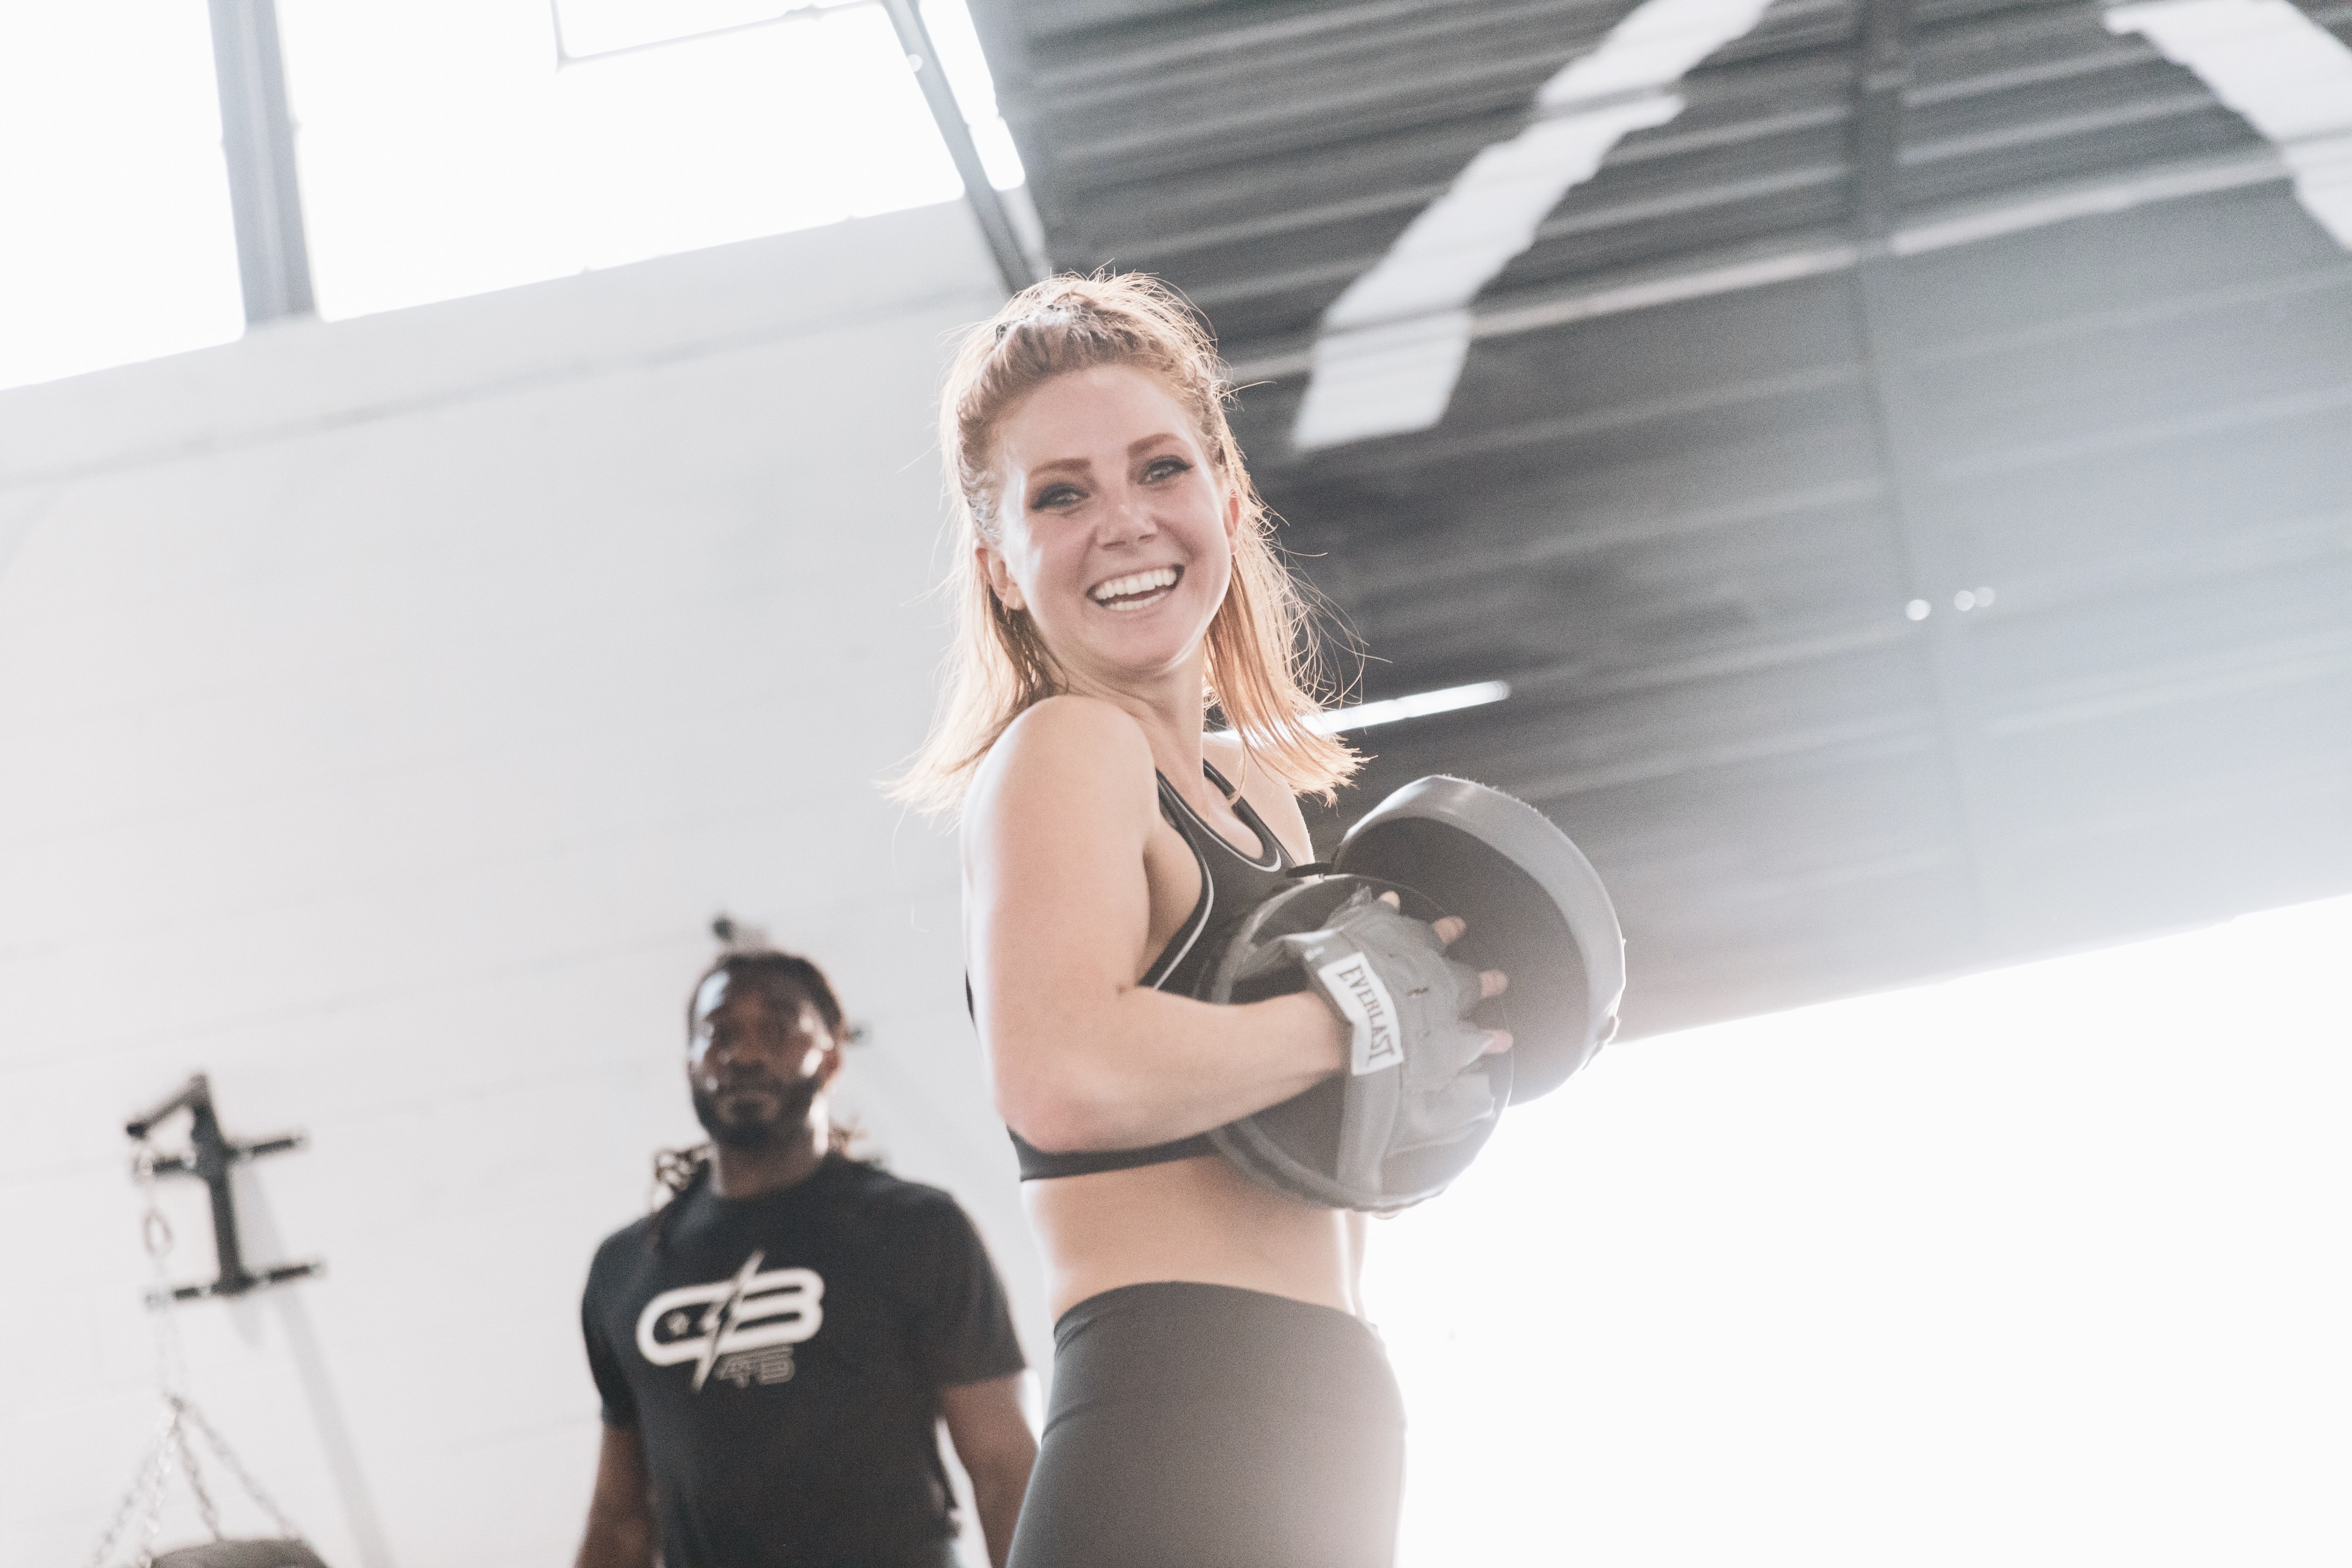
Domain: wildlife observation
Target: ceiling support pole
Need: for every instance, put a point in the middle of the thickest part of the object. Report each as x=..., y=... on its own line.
x=1014, y=265
x=257, y=140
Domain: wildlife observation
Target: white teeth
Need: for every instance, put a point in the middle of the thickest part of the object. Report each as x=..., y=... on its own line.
x=1133, y=584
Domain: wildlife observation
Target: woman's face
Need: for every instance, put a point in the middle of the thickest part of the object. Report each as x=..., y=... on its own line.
x=1116, y=535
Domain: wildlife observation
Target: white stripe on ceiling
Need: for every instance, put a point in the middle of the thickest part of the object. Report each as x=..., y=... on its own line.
x=2290, y=76
x=1391, y=347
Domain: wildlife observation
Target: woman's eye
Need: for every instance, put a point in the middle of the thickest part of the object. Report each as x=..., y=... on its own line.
x=1053, y=496
x=1164, y=468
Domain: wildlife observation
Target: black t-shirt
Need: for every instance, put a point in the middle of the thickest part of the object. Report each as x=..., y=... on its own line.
x=782, y=1356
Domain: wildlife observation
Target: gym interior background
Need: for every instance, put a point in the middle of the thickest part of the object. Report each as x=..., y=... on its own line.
x=1876, y=473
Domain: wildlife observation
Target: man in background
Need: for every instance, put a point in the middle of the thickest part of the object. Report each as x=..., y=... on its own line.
x=776, y=1346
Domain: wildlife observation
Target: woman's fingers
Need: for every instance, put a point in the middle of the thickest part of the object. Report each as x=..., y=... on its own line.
x=1491, y=982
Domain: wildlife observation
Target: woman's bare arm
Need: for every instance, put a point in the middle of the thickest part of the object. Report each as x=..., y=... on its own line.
x=1084, y=1058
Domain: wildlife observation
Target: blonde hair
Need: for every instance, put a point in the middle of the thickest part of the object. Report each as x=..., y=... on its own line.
x=1264, y=664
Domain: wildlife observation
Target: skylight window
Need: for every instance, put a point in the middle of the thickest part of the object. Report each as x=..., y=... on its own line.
x=587, y=28
x=446, y=150
x=453, y=150
x=112, y=192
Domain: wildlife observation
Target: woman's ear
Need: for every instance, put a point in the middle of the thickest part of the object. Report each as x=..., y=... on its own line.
x=999, y=577
x=1233, y=514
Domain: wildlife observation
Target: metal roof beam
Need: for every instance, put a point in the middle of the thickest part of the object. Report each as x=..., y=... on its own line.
x=1016, y=266
x=273, y=261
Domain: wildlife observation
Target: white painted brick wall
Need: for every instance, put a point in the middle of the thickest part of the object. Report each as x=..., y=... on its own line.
x=385, y=707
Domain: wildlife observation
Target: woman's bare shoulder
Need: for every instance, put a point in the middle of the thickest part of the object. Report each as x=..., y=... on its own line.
x=1083, y=732
x=1067, y=747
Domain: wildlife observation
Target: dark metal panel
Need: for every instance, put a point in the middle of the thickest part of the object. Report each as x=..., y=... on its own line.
x=1803, y=354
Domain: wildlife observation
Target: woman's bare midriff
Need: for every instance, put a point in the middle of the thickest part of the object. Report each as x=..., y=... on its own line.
x=1194, y=1220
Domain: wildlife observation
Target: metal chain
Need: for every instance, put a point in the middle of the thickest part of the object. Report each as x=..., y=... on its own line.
x=144, y=1501
x=170, y=1370
x=152, y=1525
x=228, y=1457
x=156, y=1235
x=147, y=1481
x=180, y=1414
x=172, y=1449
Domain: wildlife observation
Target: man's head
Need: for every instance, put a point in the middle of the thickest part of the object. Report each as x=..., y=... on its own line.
x=762, y=1041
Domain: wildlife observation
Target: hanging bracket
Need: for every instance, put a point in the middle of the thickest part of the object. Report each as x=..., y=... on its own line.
x=210, y=1155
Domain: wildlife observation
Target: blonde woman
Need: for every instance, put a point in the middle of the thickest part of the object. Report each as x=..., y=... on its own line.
x=1218, y=1401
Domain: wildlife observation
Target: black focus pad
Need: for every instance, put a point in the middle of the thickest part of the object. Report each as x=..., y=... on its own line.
x=1293, y=1148
x=1536, y=909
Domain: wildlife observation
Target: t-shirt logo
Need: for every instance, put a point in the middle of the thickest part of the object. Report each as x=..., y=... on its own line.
x=746, y=1329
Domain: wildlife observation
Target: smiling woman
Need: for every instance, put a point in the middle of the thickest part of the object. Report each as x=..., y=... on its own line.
x=1262, y=662
x=1216, y=1396
x=1091, y=508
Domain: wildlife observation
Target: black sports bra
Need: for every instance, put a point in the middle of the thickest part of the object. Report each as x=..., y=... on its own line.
x=1232, y=884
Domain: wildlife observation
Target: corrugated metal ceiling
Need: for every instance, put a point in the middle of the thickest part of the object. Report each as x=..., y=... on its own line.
x=1906, y=302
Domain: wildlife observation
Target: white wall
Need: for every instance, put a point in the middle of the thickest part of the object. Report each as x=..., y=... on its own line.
x=385, y=707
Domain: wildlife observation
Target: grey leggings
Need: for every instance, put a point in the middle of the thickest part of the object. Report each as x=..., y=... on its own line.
x=1202, y=1427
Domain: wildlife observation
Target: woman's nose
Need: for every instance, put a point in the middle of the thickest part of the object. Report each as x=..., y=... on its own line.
x=1127, y=520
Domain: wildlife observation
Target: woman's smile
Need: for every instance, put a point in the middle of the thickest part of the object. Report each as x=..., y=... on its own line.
x=1136, y=590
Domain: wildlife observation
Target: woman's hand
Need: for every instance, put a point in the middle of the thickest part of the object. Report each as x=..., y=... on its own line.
x=1385, y=972
x=1445, y=1096
x=1492, y=983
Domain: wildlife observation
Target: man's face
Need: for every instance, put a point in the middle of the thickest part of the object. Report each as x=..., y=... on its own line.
x=758, y=1056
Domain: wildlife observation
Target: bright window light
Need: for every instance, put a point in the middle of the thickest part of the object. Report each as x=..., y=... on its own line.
x=113, y=196
x=446, y=149
x=1364, y=715
x=590, y=27
x=445, y=152
x=949, y=22
x=2039, y=1267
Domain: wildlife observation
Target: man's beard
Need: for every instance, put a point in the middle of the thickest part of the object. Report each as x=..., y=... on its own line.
x=751, y=1133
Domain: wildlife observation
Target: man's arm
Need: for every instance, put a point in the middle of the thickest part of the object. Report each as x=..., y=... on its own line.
x=620, y=1512
x=993, y=1443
